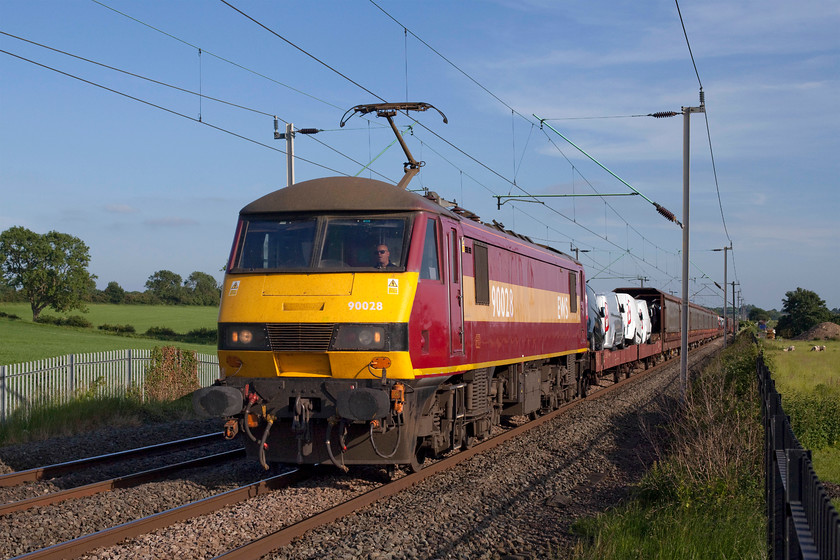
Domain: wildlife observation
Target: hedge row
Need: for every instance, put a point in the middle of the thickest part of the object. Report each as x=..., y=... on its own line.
x=195, y=336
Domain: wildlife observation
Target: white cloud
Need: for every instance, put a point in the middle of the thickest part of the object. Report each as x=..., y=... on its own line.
x=120, y=209
x=171, y=221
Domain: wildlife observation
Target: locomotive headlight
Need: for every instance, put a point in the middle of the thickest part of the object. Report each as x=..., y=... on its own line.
x=359, y=337
x=242, y=337
x=388, y=336
x=371, y=338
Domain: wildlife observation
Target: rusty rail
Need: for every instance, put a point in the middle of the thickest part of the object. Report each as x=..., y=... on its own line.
x=127, y=481
x=113, y=535
x=50, y=471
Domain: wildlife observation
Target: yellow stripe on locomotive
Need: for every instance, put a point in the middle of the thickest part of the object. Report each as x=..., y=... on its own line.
x=316, y=325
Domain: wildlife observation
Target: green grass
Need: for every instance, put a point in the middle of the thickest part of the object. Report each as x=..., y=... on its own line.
x=813, y=379
x=827, y=466
x=25, y=341
x=86, y=413
x=714, y=531
x=809, y=377
x=703, y=498
x=803, y=370
x=180, y=318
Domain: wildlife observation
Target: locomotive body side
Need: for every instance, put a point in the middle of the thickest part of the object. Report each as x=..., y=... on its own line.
x=328, y=355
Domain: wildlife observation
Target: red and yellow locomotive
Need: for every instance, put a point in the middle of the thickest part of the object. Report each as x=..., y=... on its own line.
x=364, y=324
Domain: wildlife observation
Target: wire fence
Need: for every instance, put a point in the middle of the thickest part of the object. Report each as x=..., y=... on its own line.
x=801, y=521
x=112, y=373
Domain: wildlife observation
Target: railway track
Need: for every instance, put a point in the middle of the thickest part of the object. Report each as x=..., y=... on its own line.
x=128, y=481
x=76, y=547
x=158, y=453
x=287, y=534
x=58, y=469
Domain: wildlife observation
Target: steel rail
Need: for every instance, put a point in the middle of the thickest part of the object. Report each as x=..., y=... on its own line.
x=265, y=545
x=50, y=471
x=127, y=481
x=111, y=536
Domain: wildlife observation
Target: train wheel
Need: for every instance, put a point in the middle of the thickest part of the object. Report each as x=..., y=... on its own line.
x=417, y=460
x=583, y=386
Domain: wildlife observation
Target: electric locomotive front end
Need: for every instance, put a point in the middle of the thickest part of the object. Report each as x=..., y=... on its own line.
x=313, y=325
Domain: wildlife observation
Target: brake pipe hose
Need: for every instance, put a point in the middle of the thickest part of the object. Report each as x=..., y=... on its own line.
x=396, y=446
x=335, y=462
x=245, y=425
x=263, y=444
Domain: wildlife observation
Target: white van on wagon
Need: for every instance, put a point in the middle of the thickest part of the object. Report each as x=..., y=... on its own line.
x=613, y=321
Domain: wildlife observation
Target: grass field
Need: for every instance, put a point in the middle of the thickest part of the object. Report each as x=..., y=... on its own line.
x=25, y=341
x=180, y=318
x=803, y=372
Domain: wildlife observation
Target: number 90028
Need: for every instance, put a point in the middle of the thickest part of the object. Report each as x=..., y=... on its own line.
x=364, y=305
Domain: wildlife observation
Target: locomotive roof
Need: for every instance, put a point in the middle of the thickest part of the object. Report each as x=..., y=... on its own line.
x=357, y=194
x=332, y=194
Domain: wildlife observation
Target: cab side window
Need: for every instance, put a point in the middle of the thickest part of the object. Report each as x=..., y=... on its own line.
x=482, y=274
x=430, y=268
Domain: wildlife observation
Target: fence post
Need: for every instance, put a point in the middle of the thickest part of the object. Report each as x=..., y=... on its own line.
x=128, y=385
x=72, y=376
x=2, y=393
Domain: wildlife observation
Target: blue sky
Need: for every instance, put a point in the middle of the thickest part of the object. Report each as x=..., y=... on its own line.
x=150, y=188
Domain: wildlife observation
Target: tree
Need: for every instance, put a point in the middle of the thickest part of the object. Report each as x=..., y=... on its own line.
x=758, y=314
x=114, y=293
x=804, y=310
x=203, y=288
x=166, y=285
x=50, y=269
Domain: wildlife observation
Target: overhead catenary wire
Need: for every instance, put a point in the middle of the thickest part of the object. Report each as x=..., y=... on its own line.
x=463, y=152
x=624, y=250
x=667, y=214
x=162, y=108
x=307, y=53
x=214, y=55
x=706, y=115
x=187, y=91
x=140, y=76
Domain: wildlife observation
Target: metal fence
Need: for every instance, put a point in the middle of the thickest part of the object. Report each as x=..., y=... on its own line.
x=801, y=522
x=111, y=373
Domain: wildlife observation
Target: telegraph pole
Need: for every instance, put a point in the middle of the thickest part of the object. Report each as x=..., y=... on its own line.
x=290, y=154
x=686, y=111
x=733, y=311
x=289, y=136
x=725, y=249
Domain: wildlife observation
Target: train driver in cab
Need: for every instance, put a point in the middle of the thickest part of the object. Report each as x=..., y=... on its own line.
x=383, y=257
